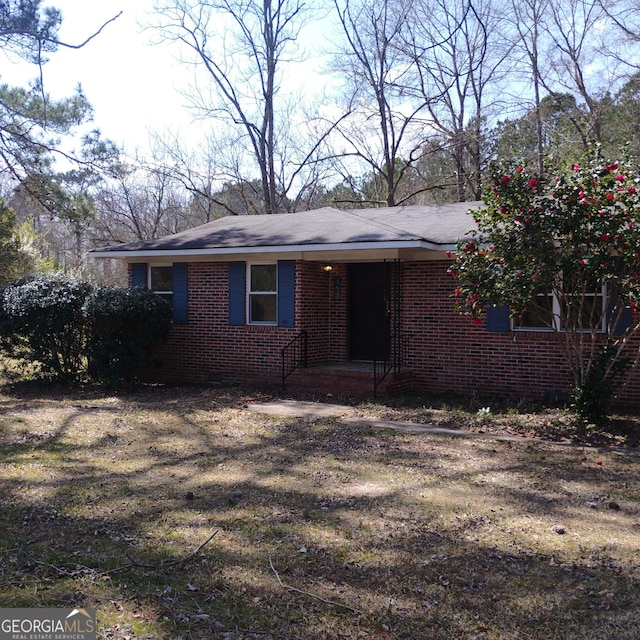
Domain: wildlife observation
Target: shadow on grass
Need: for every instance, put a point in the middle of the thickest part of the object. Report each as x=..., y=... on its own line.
x=322, y=529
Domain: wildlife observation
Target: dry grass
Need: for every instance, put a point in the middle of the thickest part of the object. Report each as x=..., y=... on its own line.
x=325, y=529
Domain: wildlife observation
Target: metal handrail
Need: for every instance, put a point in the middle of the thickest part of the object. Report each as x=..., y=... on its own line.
x=294, y=355
x=399, y=348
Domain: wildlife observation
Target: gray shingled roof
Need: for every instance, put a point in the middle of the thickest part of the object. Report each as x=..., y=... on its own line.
x=439, y=226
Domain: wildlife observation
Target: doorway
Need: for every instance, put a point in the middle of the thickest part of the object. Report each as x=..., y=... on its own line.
x=370, y=311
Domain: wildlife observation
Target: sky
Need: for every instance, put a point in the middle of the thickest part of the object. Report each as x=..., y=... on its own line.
x=133, y=86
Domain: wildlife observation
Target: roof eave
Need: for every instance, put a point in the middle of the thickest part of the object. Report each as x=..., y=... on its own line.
x=306, y=249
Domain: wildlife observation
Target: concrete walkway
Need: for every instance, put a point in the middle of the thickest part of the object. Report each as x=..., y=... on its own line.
x=300, y=409
x=306, y=409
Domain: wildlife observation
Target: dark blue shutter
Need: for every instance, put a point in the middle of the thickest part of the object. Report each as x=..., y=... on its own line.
x=498, y=319
x=180, y=289
x=237, y=273
x=139, y=274
x=624, y=322
x=286, y=292
x=624, y=319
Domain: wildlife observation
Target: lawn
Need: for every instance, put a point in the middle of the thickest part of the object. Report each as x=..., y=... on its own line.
x=178, y=513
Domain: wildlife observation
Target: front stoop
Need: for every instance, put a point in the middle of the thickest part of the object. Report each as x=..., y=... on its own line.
x=347, y=382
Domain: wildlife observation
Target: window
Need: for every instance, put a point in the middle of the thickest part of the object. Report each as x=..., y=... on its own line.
x=582, y=312
x=263, y=293
x=539, y=315
x=161, y=282
x=169, y=281
x=586, y=311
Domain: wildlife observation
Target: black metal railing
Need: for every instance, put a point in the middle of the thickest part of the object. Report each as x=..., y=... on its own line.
x=398, y=352
x=294, y=355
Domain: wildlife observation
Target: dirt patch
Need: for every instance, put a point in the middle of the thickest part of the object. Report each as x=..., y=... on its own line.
x=179, y=513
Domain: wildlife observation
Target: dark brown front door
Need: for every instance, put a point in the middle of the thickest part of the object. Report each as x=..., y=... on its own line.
x=369, y=311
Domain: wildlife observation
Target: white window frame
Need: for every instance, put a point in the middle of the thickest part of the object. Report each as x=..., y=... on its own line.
x=251, y=293
x=555, y=311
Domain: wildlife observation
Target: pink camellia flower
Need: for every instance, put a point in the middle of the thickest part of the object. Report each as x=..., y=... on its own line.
x=533, y=183
x=610, y=197
x=612, y=167
x=581, y=194
x=457, y=292
x=631, y=191
x=477, y=321
x=506, y=179
x=576, y=167
x=620, y=178
x=605, y=236
x=582, y=261
x=519, y=169
x=448, y=254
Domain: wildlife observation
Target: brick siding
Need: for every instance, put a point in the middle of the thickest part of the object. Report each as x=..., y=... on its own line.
x=446, y=351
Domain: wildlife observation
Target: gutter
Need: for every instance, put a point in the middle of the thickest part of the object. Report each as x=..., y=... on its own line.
x=424, y=245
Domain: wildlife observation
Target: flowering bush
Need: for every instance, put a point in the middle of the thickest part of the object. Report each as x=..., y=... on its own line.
x=573, y=236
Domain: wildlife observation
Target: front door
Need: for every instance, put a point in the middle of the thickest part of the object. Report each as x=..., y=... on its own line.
x=369, y=322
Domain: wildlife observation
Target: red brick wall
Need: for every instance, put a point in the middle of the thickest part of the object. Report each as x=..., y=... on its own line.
x=447, y=352
x=207, y=348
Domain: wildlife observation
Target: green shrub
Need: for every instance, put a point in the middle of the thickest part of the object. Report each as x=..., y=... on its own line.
x=125, y=326
x=42, y=315
x=592, y=399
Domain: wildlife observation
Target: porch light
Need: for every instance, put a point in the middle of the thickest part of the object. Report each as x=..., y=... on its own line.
x=328, y=268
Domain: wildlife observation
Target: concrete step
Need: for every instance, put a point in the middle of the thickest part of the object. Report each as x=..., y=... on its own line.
x=348, y=383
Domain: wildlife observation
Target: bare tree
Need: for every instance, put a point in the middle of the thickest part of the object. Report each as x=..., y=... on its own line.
x=574, y=54
x=384, y=130
x=458, y=54
x=625, y=17
x=528, y=23
x=567, y=49
x=139, y=204
x=243, y=46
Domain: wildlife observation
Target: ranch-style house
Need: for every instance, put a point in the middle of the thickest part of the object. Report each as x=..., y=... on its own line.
x=348, y=303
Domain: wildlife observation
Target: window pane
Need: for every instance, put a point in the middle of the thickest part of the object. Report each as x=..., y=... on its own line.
x=161, y=278
x=263, y=307
x=168, y=297
x=585, y=312
x=263, y=277
x=539, y=314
